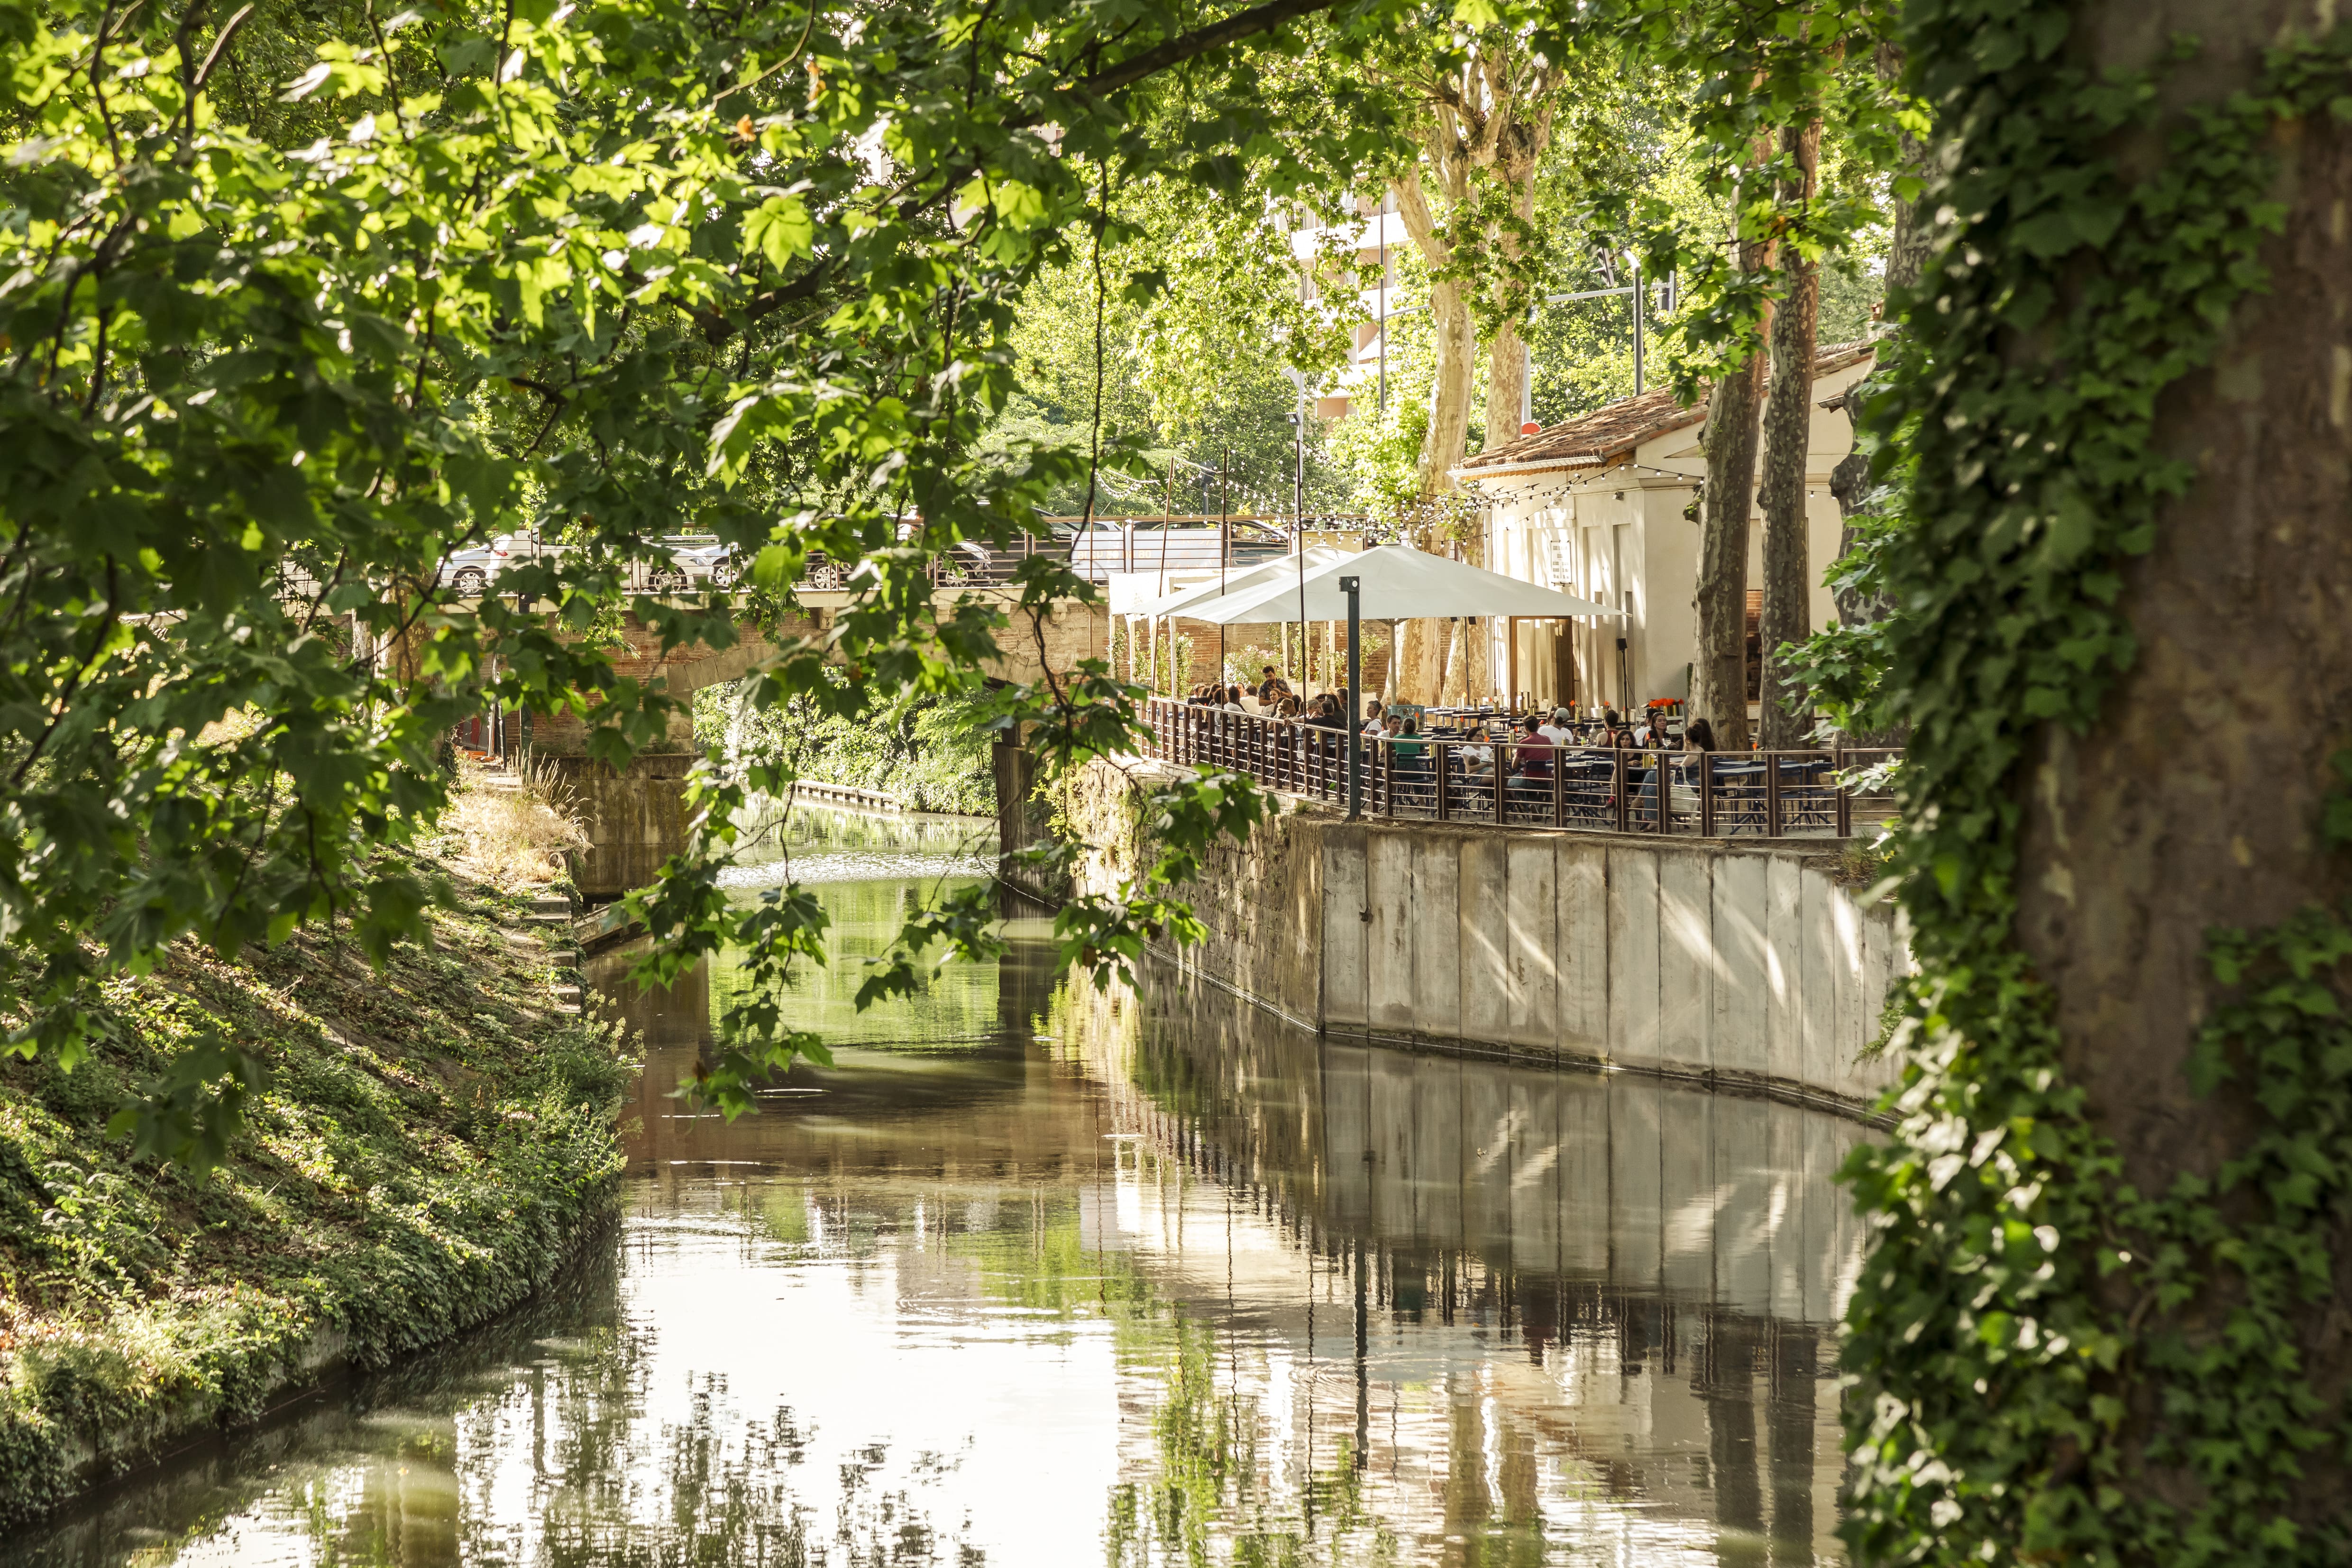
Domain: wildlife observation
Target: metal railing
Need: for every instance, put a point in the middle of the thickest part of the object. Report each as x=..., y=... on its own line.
x=1094, y=556
x=1447, y=778
x=704, y=566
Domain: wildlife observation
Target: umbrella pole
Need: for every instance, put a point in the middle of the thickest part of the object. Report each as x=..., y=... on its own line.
x=1351, y=587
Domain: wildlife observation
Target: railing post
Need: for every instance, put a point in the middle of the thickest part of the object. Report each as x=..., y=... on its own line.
x=1771, y=795
x=1558, y=786
x=1443, y=772
x=1665, y=794
x=1706, y=794
x=1620, y=783
x=1845, y=801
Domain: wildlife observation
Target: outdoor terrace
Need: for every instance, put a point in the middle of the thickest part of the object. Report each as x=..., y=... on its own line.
x=1443, y=776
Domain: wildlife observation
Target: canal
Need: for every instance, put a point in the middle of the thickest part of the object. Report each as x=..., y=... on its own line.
x=1039, y=1274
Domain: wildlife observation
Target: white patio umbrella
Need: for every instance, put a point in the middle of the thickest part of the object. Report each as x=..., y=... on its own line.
x=1397, y=584
x=1392, y=583
x=1282, y=569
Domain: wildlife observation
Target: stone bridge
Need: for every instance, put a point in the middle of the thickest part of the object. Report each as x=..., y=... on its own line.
x=633, y=815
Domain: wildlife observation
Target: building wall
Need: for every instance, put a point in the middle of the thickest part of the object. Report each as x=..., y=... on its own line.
x=1621, y=536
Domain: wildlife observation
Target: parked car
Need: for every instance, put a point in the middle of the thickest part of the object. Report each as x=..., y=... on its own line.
x=710, y=561
x=468, y=572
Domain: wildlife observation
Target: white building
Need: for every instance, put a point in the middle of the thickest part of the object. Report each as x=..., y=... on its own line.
x=1599, y=506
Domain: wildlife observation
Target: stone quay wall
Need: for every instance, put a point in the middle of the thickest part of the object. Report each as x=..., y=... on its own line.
x=1742, y=965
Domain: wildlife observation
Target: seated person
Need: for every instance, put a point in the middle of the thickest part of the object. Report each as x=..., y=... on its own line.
x=1532, y=757
x=1558, y=730
x=1478, y=753
x=1326, y=715
x=1375, y=718
x=1408, y=755
x=1271, y=686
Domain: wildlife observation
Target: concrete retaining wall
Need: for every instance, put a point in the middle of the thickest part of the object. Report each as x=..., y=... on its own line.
x=1743, y=964
x=636, y=818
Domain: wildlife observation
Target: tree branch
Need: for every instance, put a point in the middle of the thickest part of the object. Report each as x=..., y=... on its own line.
x=717, y=326
x=1189, y=45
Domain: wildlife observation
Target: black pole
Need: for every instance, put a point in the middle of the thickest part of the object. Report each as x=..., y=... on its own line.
x=1298, y=468
x=1298, y=518
x=1351, y=586
x=1637, y=327
x=1363, y=1357
x=1225, y=548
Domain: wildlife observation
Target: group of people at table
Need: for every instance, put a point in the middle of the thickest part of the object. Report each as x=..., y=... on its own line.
x=1526, y=757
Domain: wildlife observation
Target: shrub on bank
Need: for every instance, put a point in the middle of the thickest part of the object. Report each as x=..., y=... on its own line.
x=428, y=1142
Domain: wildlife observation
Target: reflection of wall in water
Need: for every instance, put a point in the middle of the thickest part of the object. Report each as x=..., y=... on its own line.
x=1634, y=1181
x=1666, y=1258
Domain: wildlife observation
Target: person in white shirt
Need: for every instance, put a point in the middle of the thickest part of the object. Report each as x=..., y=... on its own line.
x=1477, y=757
x=1559, y=731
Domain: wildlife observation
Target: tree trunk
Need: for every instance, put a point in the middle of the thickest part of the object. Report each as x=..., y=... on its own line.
x=1417, y=673
x=1906, y=253
x=1506, y=375
x=1907, y=258
x=1452, y=692
x=1447, y=439
x=1506, y=357
x=1726, y=508
x=1719, y=670
x=1788, y=438
x=2195, y=801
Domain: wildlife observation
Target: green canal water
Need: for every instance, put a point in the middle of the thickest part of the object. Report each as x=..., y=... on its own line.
x=1038, y=1275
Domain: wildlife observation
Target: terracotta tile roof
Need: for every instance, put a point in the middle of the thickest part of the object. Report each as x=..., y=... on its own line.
x=1613, y=431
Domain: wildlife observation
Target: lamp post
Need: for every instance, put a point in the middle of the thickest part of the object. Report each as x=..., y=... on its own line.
x=1351, y=586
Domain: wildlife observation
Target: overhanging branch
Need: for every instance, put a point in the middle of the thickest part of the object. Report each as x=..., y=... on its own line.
x=1189, y=45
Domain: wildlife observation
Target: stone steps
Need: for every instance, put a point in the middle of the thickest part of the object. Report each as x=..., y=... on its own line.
x=551, y=917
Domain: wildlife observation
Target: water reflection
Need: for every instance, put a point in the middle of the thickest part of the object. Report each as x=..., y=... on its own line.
x=1038, y=1275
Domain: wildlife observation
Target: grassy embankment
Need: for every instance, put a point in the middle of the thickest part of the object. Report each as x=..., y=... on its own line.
x=432, y=1140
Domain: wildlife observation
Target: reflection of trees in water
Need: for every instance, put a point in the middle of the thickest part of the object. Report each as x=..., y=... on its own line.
x=958, y=1008
x=1208, y=1490
x=709, y=1489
